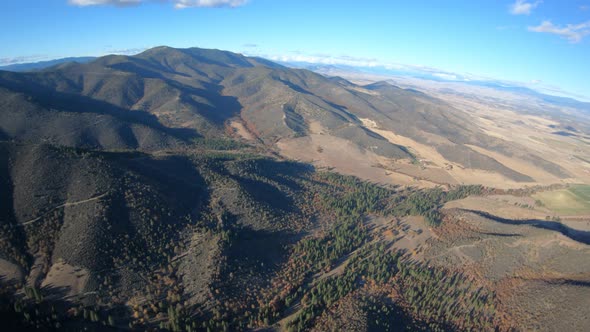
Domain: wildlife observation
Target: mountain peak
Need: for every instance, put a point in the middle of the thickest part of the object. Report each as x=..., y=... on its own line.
x=381, y=85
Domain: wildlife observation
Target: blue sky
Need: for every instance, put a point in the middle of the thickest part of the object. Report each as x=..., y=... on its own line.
x=544, y=44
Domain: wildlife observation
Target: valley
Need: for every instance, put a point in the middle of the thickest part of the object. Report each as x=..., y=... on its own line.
x=203, y=190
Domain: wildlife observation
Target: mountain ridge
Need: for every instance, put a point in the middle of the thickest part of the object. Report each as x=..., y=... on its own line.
x=192, y=189
x=179, y=90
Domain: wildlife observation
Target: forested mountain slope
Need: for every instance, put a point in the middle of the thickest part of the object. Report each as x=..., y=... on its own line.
x=159, y=191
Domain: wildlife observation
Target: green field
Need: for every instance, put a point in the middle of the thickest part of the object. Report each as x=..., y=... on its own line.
x=574, y=200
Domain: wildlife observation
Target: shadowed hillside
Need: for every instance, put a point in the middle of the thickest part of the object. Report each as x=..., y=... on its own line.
x=164, y=96
x=161, y=191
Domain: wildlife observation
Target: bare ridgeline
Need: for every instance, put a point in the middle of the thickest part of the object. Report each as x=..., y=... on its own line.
x=201, y=190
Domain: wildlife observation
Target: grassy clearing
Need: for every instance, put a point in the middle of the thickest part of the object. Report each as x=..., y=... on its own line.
x=571, y=201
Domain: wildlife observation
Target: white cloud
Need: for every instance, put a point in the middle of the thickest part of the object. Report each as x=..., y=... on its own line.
x=177, y=3
x=445, y=76
x=325, y=59
x=127, y=51
x=353, y=61
x=522, y=7
x=574, y=33
x=22, y=59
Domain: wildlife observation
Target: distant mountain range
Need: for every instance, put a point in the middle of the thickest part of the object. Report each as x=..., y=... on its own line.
x=44, y=64
x=438, y=76
x=432, y=75
x=167, y=96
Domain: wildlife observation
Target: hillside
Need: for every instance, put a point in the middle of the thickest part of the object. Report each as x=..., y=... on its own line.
x=179, y=94
x=187, y=233
x=201, y=190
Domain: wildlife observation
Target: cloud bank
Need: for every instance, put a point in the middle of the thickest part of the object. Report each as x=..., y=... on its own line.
x=22, y=59
x=522, y=7
x=325, y=59
x=574, y=33
x=177, y=3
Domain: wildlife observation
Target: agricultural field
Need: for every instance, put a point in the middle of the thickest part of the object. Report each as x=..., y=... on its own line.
x=574, y=200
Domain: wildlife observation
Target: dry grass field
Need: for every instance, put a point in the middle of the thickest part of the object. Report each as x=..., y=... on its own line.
x=431, y=168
